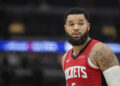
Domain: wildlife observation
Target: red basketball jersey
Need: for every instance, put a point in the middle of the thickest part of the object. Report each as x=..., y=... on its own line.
x=79, y=72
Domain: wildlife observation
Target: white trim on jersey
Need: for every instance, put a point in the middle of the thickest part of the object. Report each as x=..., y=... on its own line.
x=91, y=64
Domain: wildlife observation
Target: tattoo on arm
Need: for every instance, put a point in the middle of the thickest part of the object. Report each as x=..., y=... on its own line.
x=104, y=57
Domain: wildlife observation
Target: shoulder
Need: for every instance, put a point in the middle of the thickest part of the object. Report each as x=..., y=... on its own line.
x=101, y=46
x=64, y=56
x=100, y=49
x=103, y=56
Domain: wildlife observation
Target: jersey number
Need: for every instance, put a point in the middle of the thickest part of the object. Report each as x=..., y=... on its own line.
x=73, y=84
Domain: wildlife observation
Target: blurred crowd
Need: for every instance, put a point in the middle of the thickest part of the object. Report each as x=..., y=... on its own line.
x=30, y=69
x=45, y=18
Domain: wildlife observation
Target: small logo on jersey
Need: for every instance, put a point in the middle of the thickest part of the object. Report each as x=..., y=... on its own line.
x=80, y=57
x=68, y=60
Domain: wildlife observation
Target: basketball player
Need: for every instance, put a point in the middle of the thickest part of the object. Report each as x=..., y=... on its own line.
x=89, y=61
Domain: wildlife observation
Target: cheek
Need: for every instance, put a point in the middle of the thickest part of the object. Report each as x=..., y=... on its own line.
x=69, y=30
x=84, y=29
x=84, y=26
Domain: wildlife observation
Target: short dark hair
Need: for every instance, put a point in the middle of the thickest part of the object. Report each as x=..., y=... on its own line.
x=77, y=11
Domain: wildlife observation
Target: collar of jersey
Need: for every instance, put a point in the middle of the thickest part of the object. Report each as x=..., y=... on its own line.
x=74, y=57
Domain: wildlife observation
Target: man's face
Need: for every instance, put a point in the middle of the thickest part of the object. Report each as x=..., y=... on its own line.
x=76, y=29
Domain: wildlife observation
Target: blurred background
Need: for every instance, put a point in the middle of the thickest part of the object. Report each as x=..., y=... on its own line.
x=32, y=37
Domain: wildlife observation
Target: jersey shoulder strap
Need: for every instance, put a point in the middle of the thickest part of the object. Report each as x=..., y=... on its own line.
x=68, y=53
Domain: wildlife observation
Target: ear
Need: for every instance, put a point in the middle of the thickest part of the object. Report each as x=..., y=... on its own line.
x=88, y=26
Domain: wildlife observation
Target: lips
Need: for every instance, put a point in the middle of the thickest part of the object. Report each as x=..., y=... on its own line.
x=76, y=34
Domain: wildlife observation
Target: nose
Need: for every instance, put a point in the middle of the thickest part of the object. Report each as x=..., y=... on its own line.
x=76, y=27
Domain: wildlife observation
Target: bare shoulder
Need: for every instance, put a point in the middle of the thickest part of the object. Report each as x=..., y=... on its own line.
x=63, y=60
x=103, y=56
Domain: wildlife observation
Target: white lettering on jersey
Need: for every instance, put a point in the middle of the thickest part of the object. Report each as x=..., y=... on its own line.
x=75, y=72
x=84, y=73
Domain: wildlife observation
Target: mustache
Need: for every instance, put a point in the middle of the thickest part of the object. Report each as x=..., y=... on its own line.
x=76, y=32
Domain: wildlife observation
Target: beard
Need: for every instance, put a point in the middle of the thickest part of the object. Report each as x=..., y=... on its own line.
x=77, y=42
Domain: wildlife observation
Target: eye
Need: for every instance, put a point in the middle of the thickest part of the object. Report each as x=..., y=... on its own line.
x=80, y=23
x=71, y=24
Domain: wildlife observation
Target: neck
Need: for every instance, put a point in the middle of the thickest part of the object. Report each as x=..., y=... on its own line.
x=77, y=49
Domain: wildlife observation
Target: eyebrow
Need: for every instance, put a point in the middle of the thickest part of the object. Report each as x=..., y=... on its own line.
x=81, y=20
x=78, y=20
x=70, y=21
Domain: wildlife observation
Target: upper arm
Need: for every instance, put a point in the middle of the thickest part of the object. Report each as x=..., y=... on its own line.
x=104, y=56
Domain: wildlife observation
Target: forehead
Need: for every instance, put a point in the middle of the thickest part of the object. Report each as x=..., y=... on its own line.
x=76, y=17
